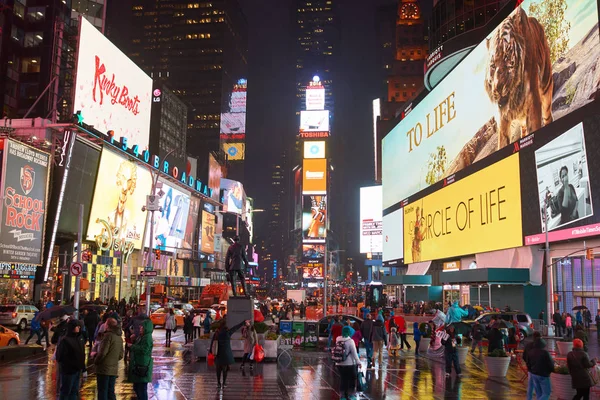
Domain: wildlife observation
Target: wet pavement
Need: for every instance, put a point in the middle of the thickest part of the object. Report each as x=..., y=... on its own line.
x=307, y=375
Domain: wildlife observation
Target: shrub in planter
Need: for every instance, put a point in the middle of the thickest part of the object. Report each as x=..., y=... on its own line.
x=261, y=327
x=497, y=363
x=564, y=346
x=271, y=336
x=462, y=351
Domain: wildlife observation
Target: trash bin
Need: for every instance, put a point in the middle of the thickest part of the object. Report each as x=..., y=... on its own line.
x=298, y=333
x=311, y=334
x=548, y=330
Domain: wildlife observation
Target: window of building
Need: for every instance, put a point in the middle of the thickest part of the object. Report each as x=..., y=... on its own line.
x=30, y=65
x=34, y=39
x=36, y=14
x=28, y=91
x=19, y=10
x=17, y=35
x=404, y=94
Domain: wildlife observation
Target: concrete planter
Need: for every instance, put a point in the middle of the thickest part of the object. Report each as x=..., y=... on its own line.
x=201, y=348
x=564, y=347
x=270, y=347
x=561, y=386
x=424, y=344
x=462, y=354
x=497, y=366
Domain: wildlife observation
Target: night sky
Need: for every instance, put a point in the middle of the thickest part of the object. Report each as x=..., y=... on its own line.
x=271, y=120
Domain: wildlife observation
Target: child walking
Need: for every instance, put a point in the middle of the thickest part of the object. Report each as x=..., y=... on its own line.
x=417, y=337
x=394, y=347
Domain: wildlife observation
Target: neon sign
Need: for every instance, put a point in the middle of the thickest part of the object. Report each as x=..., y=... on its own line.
x=109, y=239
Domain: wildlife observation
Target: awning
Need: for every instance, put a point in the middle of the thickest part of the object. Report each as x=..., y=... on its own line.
x=411, y=280
x=504, y=276
x=419, y=268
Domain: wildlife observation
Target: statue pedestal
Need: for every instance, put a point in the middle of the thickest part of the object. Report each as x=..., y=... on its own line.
x=239, y=309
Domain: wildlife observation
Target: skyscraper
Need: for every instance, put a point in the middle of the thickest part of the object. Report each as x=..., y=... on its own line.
x=278, y=219
x=199, y=49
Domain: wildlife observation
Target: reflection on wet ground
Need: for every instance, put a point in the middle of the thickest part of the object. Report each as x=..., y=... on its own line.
x=307, y=375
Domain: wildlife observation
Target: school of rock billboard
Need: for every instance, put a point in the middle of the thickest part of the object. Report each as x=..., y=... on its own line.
x=25, y=173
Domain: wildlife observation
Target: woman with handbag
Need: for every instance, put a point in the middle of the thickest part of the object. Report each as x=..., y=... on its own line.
x=250, y=340
x=170, y=326
x=140, y=364
x=220, y=347
x=579, y=364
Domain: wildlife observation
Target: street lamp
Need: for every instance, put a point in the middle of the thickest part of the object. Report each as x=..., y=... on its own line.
x=325, y=277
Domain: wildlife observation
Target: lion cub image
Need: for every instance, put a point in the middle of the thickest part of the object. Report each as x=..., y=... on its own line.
x=519, y=75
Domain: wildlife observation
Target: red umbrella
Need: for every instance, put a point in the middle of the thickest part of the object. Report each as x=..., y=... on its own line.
x=258, y=317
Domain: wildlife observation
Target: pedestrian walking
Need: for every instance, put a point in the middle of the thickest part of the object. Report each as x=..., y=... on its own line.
x=250, y=340
x=170, y=326
x=356, y=335
x=581, y=335
x=477, y=333
x=91, y=319
x=336, y=330
x=557, y=321
x=128, y=326
x=70, y=355
x=107, y=360
x=394, y=339
x=345, y=352
x=578, y=318
x=188, y=327
x=569, y=325
x=197, y=325
x=223, y=354
x=379, y=339
x=35, y=329
x=45, y=327
x=416, y=337
x=141, y=363
x=598, y=325
x=401, y=323
x=366, y=328
x=450, y=341
x=495, y=339
x=539, y=365
x=541, y=315
x=578, y=363
x=302, y=310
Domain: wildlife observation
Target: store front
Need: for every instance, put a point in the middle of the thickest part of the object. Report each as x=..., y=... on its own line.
x=576, y=282
x=411, y=288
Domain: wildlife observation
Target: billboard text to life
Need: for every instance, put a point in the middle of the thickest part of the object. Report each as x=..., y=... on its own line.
x=453, y=220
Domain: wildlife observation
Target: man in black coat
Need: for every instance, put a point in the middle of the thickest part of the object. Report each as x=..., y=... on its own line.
x=91, y=320
x=70, y=355
x=540, y=365
x=236, y=255
x=557, y=320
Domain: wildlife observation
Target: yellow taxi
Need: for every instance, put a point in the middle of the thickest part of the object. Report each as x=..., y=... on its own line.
x=8, y=337
x=158, y=317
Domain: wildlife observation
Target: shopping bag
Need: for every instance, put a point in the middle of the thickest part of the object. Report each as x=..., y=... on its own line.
x=210, y=359
x=361, y=383
x=252, y=354
x=594, y=373
x=259, y=353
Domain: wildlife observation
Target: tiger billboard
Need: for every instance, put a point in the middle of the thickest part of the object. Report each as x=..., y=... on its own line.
x=537, y=66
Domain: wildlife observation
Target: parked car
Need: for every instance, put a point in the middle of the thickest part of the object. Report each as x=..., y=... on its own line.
x=159, y=317
x=323, y=323
x=8, y=337
x=17, y=315
x=524, y=320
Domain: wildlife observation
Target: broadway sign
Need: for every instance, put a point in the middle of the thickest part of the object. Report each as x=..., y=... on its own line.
x=24, y=190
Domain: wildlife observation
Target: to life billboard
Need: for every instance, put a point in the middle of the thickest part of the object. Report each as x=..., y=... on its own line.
x=371, y=220
x=534, y=68
x=314, y=176
x=25, y=197
x=455, y=220
x=111, y=92
x=116, y=217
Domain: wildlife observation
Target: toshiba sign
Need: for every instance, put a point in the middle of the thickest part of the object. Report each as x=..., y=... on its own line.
x=314, y=176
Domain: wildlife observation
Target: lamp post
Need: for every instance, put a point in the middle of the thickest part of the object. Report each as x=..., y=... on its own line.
x=325, y=283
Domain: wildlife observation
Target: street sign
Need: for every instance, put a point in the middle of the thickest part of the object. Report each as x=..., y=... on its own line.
x=152, y=203
x=64, y=269
x=149, y=273
x=76, y=269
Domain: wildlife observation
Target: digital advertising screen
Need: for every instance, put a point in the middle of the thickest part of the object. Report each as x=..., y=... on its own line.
x=233, y=123
x=314, y=176
x=560, y=179
x=530, y=71
x=371, y=220
x=215, y=173
x=238, y=101
x=111, y=91
x=314, y=121
x=314, y=149
x=393, y=236
x=315, y=98
x=312, y=272
x=24, y=188
x=452, y=220
x=235, y=151
x=116, y=216
x=190, y=229
x=207, y=233
x=313, y=254
x=170, y=222
x=314, y=218
x=234, y=197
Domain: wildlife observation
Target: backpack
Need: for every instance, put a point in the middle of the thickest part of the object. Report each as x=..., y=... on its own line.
x=339, y=354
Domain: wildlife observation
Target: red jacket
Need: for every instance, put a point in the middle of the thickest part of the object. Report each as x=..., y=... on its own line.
x=336, y=330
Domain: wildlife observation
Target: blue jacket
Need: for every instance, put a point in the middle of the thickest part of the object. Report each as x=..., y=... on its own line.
x=416, y=332
x=35, y=324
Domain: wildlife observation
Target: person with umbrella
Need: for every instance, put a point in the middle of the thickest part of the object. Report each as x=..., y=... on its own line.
x=91, y=319
x=579, y=317
x=70, y=355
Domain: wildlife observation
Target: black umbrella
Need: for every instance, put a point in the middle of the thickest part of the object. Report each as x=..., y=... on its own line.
x=92, y=307
x=577, y=308
x=55, y=312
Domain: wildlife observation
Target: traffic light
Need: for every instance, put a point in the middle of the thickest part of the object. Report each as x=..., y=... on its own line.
x=589, y=254
x=157, y=254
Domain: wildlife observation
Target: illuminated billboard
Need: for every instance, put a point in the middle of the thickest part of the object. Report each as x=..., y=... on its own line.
x=452, y=221
x=393, y=235
x=111, y=92
x=371, y=234
x=233, y=123
x=315, y=272
x=235, y=151
x=234, y=197
x=170, y=221
x=116, y=217
x=315, y=98
x=314, y=176
x=190, y=229
x=314, y=121
x=314, y=218
x=531, y=70
x=313, y=255
x=238, y=101
x=24, y=188
x=214, y=177
x=207, y=233
x=314, y=149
